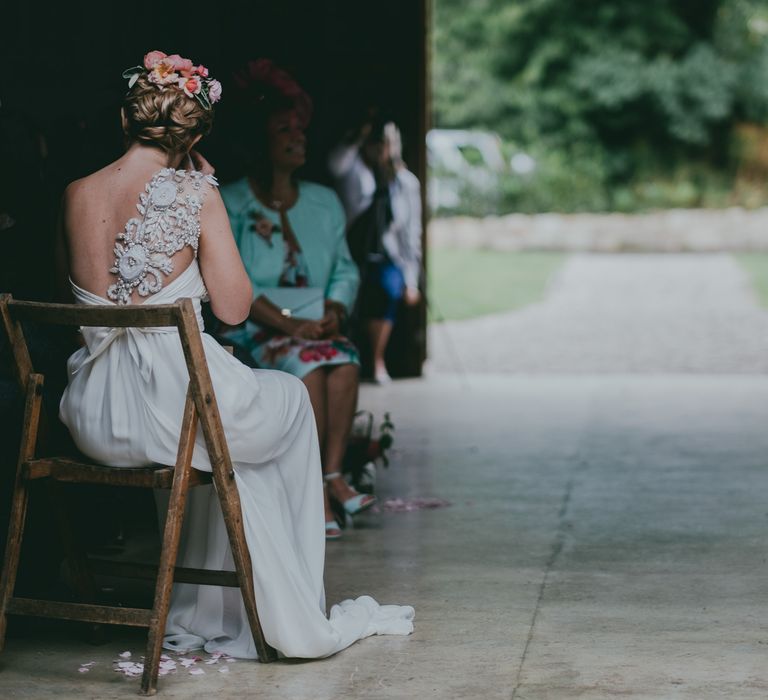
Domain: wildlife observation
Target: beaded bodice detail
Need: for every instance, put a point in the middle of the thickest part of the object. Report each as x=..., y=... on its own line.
x=170, y=220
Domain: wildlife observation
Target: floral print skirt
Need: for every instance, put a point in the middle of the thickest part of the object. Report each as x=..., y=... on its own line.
x=297, y=356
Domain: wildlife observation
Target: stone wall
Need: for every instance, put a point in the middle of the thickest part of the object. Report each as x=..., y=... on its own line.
x=677, y=230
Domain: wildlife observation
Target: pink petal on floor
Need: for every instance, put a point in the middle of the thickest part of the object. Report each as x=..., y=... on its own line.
x=125, y=655
x=224, y=669
x=129, y=668
x=196, y=672
x=400, y=505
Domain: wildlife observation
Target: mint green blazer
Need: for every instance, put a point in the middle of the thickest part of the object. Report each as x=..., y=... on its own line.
x=319, y=223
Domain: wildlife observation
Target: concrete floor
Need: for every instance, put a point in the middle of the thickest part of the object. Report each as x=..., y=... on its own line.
x=606, y=538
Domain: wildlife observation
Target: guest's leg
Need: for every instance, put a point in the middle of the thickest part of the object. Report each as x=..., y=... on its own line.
x=342, y=388
x=317, y=386
x=392, y=284
x=379, y=330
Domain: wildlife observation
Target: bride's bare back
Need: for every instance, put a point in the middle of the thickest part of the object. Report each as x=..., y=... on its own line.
x=118, y=222
x=134, y=227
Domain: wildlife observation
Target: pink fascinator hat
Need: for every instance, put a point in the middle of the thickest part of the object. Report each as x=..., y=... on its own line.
x=259, y=76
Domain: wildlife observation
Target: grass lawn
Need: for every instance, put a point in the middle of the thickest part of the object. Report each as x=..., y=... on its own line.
x=756, y=265
x=468, y=283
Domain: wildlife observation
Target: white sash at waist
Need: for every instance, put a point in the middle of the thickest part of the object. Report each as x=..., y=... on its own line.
x=99, y=339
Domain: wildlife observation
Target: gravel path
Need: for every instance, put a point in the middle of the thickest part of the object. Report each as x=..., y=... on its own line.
x=664, y=313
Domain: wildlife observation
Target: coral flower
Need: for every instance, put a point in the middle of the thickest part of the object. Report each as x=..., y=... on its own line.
x=202, y=71
x=191, y=85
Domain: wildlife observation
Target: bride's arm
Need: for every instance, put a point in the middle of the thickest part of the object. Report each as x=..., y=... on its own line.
x=223, y=273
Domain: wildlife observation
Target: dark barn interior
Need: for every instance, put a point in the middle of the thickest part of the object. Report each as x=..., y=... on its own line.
x=61, y=90
x=60, y=94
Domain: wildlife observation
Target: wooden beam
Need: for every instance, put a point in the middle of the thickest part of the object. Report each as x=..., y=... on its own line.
x=133, y=617
x=65, y=470
x=148, y=572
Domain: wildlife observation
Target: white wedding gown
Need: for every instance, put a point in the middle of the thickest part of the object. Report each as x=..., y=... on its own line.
x=123, y=407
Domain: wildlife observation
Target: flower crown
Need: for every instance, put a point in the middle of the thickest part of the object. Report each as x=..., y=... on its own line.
x=181, y=73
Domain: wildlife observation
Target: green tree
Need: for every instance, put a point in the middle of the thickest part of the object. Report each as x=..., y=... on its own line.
x=634, y=85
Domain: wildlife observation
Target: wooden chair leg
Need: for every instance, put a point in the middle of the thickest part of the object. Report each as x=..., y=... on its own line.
x=170, y=549
x=20, y=498
x=233, y=518
x=223, y=474
x=12, y=551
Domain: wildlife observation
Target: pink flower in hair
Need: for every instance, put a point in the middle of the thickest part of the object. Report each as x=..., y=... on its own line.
x=190, y=85
x=202, y=71
x=182, y=65
x=152, y=58
x=214, y=91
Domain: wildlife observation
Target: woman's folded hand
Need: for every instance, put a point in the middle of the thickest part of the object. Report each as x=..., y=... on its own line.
x=330, y=323
x=304, y=328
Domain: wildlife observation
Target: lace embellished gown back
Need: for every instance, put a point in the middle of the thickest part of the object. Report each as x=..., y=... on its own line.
x=123, y=406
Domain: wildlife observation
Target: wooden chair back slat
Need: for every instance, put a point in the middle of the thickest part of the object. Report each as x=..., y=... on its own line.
x=134, y=315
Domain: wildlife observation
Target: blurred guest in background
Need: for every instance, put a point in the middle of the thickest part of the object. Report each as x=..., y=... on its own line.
x=382, y=199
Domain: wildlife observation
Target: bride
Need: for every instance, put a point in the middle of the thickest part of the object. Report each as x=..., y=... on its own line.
x=123, y=404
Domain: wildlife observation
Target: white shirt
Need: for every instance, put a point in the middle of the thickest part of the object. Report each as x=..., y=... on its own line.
x=356, y=185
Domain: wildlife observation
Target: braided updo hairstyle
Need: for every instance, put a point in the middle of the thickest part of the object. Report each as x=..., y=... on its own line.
x=164, y=118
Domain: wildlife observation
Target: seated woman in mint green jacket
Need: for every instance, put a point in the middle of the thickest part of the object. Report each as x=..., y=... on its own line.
x=318, y=223
x=291, y=234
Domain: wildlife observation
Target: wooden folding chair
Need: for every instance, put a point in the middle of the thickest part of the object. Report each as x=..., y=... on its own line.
x=34, y=464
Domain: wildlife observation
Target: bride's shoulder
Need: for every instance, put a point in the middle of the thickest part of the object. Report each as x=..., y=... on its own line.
x=85, y=187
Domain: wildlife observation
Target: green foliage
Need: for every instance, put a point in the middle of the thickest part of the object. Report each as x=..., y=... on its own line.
x=613, y=91
x=469, y=283
x=565, y=181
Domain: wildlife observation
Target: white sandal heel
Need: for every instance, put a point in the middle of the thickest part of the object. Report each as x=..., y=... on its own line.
x=357, y=503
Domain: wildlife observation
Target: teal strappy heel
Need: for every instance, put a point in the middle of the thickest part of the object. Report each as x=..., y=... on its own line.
x=332, y=530
x=357, y=503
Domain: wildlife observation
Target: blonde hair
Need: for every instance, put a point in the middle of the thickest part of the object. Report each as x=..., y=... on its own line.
x=164, y=117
